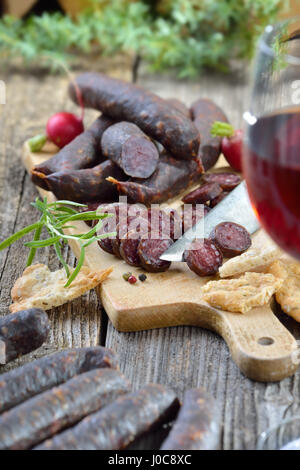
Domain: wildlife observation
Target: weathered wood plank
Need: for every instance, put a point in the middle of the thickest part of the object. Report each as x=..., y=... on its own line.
x=185, y=357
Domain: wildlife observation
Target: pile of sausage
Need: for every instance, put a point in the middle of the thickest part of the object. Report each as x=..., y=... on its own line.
x=78, y=400
x=143, y=235
x=142, y=146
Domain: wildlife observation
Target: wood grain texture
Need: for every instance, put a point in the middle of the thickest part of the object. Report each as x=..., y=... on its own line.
x=181, y=357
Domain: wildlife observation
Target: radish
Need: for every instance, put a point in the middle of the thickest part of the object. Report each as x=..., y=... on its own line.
x=232, y=143
x=63, y=127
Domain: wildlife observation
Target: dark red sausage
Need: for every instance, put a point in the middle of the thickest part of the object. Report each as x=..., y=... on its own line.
x=86, y=185
x=192, y=214
x=21, y=333
x=127, y=102
x=169, y=179
x=129, y=248
x=120, y=423
x=180, y=106
x=218, y=199
x=203, y=257
x=197, y=426
x=227, y=181
x=127, y=146
x=48, y=413
x=204, y=113
x=204, y=194
x=150, y=251
x=137, y=220
x=232, y=239
x=83, y=152
x=25, y=382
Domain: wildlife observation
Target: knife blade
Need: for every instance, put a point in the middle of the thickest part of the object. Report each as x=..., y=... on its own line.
x=235, y=207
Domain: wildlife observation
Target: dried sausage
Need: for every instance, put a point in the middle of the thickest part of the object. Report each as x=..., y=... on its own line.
x=87, y=185
x=150, y=251
x=109, y=225
x=204, y=113
x=169, y=179
x=129, y=248
x=232, y=239
x=50, y=412
x=127, y=102
x=218, y=199
x=21, y=333
x=25, y=382
x=83, y=152
x=204, y=194
x=192, y=214
x=180, y=106
x=203, y=257
x=197, y=426
x=227, y=181
x=120, y=423
x=129, y=148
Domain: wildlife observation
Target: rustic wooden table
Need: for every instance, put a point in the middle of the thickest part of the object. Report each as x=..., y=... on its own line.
x=180, y=357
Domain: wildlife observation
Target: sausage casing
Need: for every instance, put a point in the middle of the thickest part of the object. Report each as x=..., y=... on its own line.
x=120, y=423
x=31, y=379
x=124, y=101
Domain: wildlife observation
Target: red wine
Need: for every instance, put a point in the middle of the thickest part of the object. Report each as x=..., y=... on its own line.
x=272, y=171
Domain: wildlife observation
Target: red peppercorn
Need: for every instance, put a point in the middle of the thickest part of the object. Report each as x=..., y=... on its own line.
x=132, y=280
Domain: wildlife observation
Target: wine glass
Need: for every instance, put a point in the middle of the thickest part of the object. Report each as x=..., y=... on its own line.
x=271, y=156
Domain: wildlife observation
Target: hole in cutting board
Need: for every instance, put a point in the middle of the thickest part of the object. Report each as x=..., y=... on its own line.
x=265, y=341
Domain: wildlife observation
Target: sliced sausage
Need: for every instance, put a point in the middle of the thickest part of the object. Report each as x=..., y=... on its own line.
x=203, y=257
x=83, y=152
x=110, y=224
x=204, y=113
x=206, y=193
x=129, y=248
x=21, y=333
x=51, y=411
x=120, y=423
x=169, y=179
x=232, y=239
x=150, y=251
x=214, y=202
x=27, y=381
x=127, y=102
x=191, y=215
x=129, y=148
x=197, y=426
x=86, y=185
x=227, y=181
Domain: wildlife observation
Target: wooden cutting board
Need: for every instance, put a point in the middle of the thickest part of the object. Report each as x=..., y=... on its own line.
x=259, y=344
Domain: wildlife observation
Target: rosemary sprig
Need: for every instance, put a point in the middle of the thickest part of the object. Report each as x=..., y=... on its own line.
x=55, y=219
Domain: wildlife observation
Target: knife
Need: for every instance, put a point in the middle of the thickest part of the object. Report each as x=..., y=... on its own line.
x=235, y=207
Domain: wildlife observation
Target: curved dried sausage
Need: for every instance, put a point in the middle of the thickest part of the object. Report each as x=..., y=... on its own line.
x=203, y=257
x=27, y=381
x=48, y=413
x=85, y=185
x=129, y=148
x=83, y=152
x=204, y=113
x=180, y=106
x=169, y=179
x=197, y=426
x=232, y=239
x=204, y=194
x=120, y=423
x=127, y=102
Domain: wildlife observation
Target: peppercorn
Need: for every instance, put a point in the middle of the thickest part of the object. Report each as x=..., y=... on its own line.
x=142, y=277
x=132, y=280
x=126, y=276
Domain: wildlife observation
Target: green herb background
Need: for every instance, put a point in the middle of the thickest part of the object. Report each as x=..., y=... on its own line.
x=186, y=35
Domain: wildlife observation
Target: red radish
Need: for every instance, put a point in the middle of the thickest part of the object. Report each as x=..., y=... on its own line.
x=232, y=143
x=63, y=127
